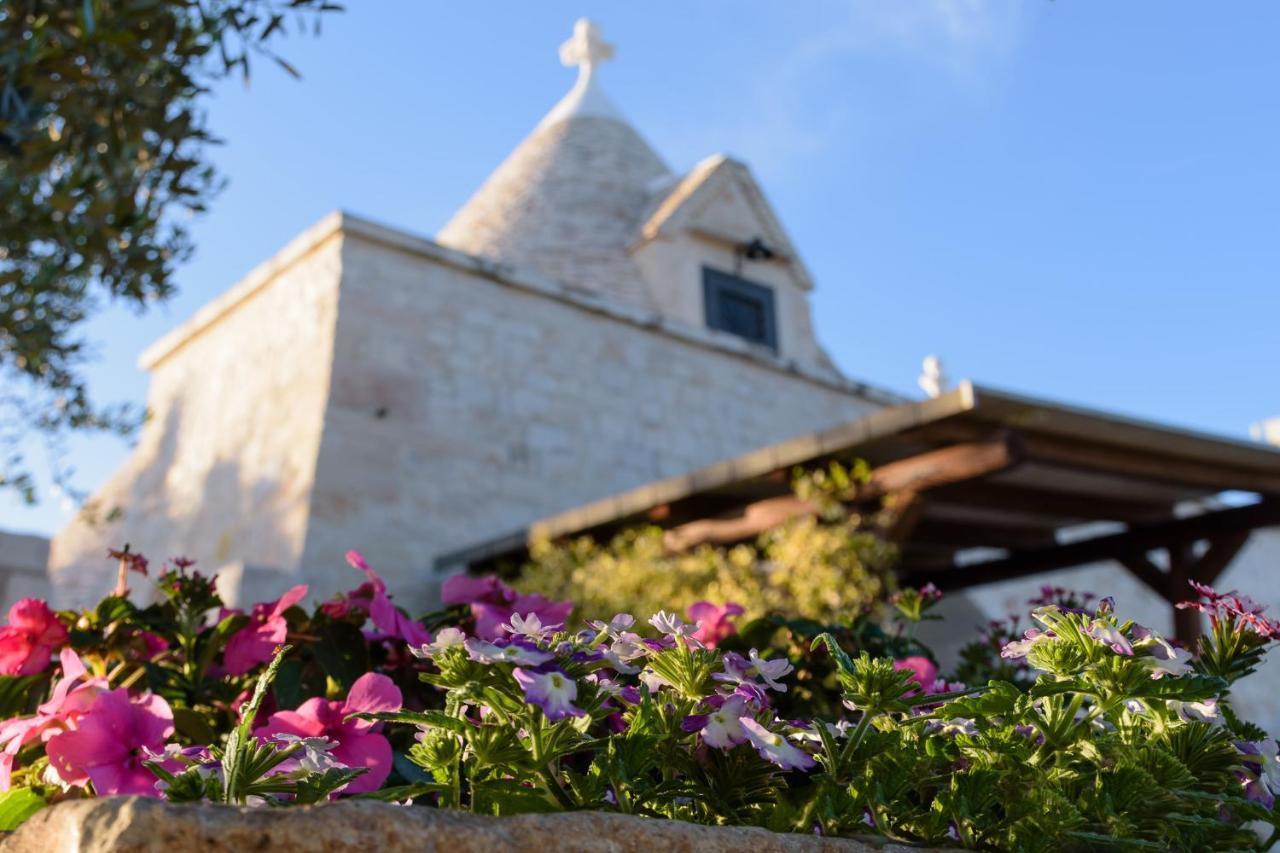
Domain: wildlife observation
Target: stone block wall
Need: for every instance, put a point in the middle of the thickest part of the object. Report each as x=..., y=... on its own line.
x=464, y=406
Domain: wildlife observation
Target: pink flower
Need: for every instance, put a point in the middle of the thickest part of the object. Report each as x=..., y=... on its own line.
x=493, y=603
x=110, y=741
x=388, y=619
x=715, y=622
x=256, y=642
x=359, y=745
x=30, y=639
x=66, y=704
x=923, y=671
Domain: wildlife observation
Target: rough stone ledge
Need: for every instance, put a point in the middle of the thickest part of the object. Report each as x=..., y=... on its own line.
x=141, y=825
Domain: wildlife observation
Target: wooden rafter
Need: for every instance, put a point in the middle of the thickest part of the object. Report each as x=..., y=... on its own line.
x=910, y=476
x=1132, y=544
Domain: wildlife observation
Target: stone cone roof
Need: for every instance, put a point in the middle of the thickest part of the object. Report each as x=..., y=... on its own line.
x=568, y=201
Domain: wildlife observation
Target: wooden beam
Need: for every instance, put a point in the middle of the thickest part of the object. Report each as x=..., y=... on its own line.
x=913, y=475
x=964, y=534
x=1158, y=468
x=1143, y=569
x=1138, y=540
x=1032, y=501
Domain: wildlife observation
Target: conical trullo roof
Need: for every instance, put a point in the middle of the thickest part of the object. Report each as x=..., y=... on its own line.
x=567, y=202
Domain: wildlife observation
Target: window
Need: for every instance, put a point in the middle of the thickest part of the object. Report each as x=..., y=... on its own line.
x=739, y=307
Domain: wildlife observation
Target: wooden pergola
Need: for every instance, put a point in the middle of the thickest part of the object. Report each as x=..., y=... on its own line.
x=976, y=486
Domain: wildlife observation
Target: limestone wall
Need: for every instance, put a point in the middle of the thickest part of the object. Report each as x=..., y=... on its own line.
x=22, y=567
x=222, y=470
x=464, y=406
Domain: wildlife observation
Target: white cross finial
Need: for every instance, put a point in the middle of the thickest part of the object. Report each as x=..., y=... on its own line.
x=585, y=48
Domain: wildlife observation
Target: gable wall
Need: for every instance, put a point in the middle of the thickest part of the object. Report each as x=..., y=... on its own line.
x=463, y=408
x=222, y=470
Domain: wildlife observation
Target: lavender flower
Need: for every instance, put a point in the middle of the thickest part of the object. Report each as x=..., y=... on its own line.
x=529, y=626
x=740, y=670
x=1109, y=636
x=514, y=652
x=722, y=728
x=774, y=748
x=672, y=626
x=552, y=691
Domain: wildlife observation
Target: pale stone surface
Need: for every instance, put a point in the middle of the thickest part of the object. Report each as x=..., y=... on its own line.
x=136, y=825
x=370, y=389
x=22, y=567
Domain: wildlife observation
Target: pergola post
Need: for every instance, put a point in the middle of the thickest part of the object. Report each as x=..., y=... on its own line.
x=1173, y=586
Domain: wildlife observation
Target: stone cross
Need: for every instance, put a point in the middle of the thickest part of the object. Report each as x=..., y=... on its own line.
x=585, y=48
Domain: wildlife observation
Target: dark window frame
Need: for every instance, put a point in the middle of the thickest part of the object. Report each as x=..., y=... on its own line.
x=717, y=285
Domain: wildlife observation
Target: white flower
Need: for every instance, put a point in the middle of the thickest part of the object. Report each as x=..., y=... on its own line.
x=446, y=639
x=774, y=748
x=1202, y=712
x=724, y=725
x=483, y=652
x=671, y=624
x=529, y=626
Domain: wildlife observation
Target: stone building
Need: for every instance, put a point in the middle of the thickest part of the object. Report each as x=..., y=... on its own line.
x=589, y=321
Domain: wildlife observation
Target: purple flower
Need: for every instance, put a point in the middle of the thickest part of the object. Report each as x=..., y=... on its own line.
x=1109, y=636
x=1021, y=648
x=524, y=654
x=740, y=670
x=529, y=626
x=552, y=691
x=722, y=727
x=774, y=748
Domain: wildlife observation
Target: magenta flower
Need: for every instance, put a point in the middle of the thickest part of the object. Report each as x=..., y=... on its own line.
x=255, y=643
x=110, y=741
x=493, y=603
x=29, y=640
x=715, y=622
x=774, y=748
x=359, y=744
x=388, y=619
x=923, y=671
x=552, y=691
x=72, y=695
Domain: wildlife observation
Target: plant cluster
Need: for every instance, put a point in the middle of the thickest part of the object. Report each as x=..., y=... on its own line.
x=827, y=566
x=1109, y=736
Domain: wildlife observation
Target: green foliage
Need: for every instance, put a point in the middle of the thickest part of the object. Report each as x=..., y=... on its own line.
x=828, y=568
x=17, y=805
x=103, y=158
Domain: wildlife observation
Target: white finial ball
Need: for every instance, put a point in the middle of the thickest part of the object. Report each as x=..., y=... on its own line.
x=933, y=381
x=585, y=47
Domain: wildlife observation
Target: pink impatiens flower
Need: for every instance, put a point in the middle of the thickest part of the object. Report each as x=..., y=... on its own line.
x=388, y=619
x=715, y=621
x=256, y=642
x=110, y=741
x=29, y=640
x=359, y=744
x=493, y=603
x=923, y=671
x=73, y=694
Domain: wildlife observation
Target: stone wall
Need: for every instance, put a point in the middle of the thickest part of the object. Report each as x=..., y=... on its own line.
x=22, y=567
x=465, y=405
x=222, y=470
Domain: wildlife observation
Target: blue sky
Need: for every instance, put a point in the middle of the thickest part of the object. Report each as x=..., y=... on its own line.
x=1073, y=200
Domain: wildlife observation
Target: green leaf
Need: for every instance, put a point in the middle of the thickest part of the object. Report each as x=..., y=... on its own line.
x=343, y=653
x=400, y=793
x=842, y=659
x=18, y=694
x=430, y=719
x=16, y=806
